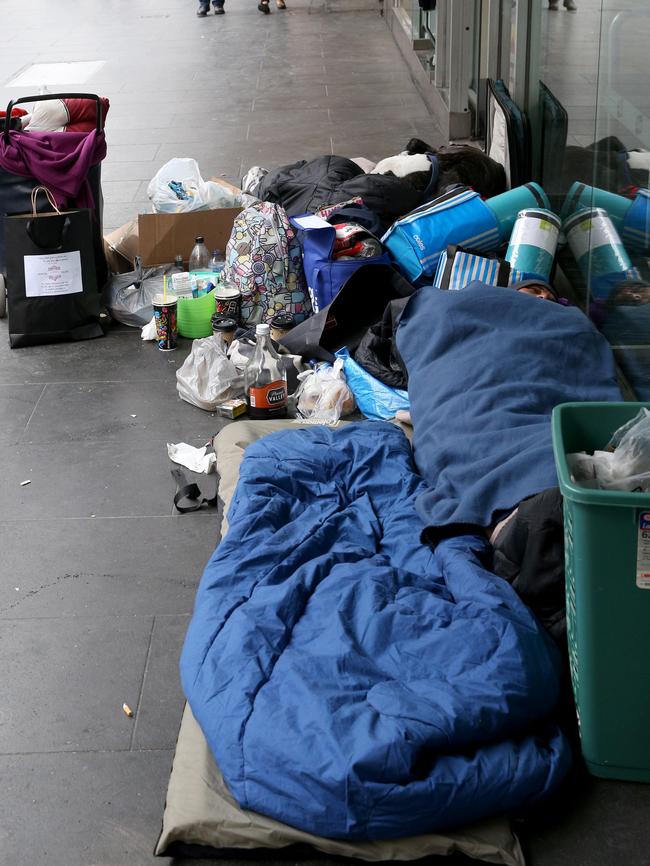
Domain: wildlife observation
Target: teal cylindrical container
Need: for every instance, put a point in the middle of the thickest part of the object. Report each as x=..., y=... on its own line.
x=533, y=242
x=581, y=197
x=636, y=224
x=507, y=205
x=598, y=250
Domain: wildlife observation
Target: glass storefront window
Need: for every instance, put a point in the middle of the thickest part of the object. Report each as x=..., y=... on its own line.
x=593, y=61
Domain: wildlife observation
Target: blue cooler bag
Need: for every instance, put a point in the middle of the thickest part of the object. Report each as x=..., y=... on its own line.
x=325, y=275
x=416, y=241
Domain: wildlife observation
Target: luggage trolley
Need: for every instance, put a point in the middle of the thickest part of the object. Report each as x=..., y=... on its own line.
x=16, y=190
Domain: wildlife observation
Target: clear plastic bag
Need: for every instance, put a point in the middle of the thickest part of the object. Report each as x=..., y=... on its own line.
x=323, y=396
x=178, y=188
x=207, y=376
x=624, y=465
x=129, y=297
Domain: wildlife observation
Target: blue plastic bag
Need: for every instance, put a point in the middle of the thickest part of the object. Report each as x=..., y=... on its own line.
x=376, y=400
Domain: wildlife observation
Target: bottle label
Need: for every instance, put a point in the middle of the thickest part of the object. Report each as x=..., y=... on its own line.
x=269, y=396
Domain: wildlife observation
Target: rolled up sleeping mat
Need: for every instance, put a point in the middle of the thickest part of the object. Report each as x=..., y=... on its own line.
x=533, y=242
x=636, y=223
x=581, y=196
x=598, y=250
x=506, y=206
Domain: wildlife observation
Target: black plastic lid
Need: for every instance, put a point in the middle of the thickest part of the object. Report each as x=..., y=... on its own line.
x=221, y=324
x=199, y=240
x=283, y=320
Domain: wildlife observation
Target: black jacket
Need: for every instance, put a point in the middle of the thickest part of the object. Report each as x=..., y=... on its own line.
x=304, y=187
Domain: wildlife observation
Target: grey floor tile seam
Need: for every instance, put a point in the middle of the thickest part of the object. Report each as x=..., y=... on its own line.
x=82, y=752
x=129, y=381
x=142, y=682
x=88, y=616
x=41, y=519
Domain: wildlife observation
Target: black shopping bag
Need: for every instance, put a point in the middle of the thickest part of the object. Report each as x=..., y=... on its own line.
x=51, y=281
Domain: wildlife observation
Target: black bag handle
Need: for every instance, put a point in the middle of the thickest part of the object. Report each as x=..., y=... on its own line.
x=452, y=249
x=49, y=247
x=503, y=274
x=190, y=491
x=44, y=98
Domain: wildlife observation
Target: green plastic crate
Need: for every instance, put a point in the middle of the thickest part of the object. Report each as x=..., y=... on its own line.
x=607, y=554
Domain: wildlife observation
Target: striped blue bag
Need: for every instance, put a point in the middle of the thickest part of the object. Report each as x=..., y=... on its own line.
x=416, y=242
x=458, y=267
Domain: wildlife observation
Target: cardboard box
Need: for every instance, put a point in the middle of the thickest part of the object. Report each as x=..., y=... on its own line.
x=163, y=236
x=121, y=248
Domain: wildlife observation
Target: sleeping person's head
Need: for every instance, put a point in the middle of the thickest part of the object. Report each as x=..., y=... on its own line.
x=630, y=293
x=537, y=289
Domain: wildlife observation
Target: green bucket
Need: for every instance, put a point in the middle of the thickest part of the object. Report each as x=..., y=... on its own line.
x=194, y=316
x=607, y=565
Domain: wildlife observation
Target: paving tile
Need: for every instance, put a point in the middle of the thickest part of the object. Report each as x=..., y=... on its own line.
x=594, y=824
x=161, y=705
x=131, y=152
x=119, y=191
x=86, y=809
x=103, y=478
x=99, y=360
x=81, y=673
x=101, y=567
x=124, y=171
x=103, y=410
x=17, y=404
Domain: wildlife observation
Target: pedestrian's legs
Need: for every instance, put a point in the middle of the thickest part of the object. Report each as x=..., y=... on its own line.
x=217, y=5
x=204, y=8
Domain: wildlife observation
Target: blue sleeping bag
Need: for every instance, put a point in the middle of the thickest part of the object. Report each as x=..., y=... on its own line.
x=350, y=681
x=486, y=366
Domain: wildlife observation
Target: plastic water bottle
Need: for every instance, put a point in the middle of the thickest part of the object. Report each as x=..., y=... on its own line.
x=200, y=256
x=217, y=264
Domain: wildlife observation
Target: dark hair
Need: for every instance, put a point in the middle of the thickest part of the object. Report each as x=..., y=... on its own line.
x=466, y=165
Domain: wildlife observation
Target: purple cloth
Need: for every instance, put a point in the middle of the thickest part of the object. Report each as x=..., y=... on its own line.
x=58, y=160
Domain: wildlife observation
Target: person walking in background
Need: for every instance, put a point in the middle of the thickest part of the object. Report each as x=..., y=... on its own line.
x=204, y=8
x=569, y=5
x=264, y=6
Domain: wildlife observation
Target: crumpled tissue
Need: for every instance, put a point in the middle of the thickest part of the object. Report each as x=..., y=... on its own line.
x=194, y=459
x=148, y=331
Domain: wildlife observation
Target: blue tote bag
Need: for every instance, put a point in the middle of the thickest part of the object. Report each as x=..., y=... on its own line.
x=325, y=275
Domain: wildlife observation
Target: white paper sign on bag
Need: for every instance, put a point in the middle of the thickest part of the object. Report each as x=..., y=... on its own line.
x=53, y=274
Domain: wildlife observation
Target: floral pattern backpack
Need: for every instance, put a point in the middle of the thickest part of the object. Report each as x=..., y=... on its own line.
x=264, y=261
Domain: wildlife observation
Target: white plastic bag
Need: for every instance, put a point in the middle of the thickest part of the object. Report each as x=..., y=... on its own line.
x=207, y=376
x=323, y=396
x=624, y=465
x=178, y=188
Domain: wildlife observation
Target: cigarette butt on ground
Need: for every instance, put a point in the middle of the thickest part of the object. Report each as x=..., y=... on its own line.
x=127, y=710
x=25, y=483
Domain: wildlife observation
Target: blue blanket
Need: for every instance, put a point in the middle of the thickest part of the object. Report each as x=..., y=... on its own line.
x=486, y=366
x=349, y=681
